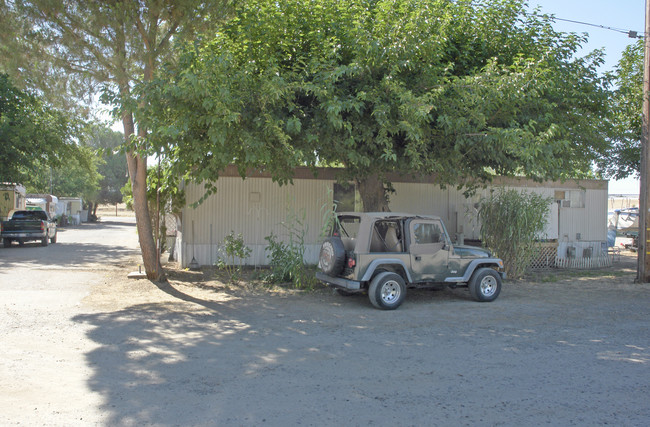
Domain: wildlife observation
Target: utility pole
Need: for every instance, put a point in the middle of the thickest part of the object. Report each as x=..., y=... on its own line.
x=643, y=270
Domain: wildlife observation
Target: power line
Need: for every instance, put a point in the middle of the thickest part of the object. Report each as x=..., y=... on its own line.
x=630, y=33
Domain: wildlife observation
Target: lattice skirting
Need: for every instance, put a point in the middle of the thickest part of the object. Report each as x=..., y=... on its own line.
x=584, y=263
x=544, y=257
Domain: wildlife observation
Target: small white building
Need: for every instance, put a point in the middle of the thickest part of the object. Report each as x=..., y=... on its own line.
x=45, y=202
x=72, y=208
x=257, y=207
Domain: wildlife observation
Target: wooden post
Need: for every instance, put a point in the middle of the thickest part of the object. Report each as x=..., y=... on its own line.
x=643, y=270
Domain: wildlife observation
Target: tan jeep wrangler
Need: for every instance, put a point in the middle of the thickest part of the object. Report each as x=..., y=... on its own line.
x=384, y=253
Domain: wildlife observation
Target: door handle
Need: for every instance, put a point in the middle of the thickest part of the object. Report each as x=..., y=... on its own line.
x=418, y=258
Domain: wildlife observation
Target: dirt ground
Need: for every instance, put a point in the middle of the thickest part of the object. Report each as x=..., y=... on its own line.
x=86, y=346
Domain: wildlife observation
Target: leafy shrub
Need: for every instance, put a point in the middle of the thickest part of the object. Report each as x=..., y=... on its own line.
x=511, y=223
x=287, y=259
x=232, y=249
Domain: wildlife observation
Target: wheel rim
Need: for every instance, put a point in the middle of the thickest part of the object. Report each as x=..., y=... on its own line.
x=326, y=256
x=488, y=286
x=390, y=292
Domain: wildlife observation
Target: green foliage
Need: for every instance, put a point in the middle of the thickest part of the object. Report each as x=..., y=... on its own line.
x=163, y=187
x=76, y=176
x=624, y=158
x=42, y=147
x=33, y=136
x=231, y=253
x=164, y=196
x=287, y=258
x=328, y=210
x=112, y=46
x=511, y=222
x=113, y=167
x=461, y=90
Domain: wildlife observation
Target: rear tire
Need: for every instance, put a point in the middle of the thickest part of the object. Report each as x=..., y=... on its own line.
x=485, y=285
x=387, y=291
x=45, y=241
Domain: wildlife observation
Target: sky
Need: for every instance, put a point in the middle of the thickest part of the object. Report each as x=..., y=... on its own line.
x=619, y=14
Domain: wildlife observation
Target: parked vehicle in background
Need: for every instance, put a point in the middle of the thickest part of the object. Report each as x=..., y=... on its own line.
x=385, y=253
x=624, y=222
x=28, y=225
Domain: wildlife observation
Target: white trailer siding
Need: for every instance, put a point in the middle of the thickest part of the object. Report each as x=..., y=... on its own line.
x=578, y=222
x=257, y=207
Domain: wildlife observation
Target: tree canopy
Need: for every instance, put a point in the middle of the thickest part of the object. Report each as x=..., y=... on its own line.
x=113, y=167
x=462, y=90
x=33, y=136
x=114, y=45
x=75, y=176
x=627, y=104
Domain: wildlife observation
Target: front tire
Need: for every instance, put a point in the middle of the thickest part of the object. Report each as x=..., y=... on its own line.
x=387, y=291
x=485, y=285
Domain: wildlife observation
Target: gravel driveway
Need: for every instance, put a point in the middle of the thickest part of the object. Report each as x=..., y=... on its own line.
x=83, y=345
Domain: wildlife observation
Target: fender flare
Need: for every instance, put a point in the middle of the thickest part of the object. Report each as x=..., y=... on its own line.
x=370, y=271
x=473, y=266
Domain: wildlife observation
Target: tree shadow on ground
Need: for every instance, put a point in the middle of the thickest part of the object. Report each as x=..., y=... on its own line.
x=201, y=362
x=71, y=254
x=236, y=358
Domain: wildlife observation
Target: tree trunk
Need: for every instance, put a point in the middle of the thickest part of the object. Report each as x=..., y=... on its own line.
x=92, y=207
x=373, y=194
x=138, y=175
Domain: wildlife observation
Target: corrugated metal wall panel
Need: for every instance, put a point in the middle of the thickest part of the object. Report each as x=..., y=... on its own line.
x=255, y=207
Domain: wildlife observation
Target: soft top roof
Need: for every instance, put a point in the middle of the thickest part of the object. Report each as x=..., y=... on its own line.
x=386, y=215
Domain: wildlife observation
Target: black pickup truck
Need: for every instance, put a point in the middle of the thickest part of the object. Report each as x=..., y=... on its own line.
x=27, y=226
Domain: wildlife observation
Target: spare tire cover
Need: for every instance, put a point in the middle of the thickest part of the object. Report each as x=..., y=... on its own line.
x=332, y=256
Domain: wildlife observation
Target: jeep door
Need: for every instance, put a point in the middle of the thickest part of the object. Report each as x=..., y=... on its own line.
x=429, y=250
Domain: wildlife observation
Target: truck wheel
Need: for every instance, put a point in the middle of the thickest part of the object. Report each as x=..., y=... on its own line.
x=53, y=239
x=45, y=241
x=332, y=256
x=485, y=285
x=387, y=291
x=6, y=243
